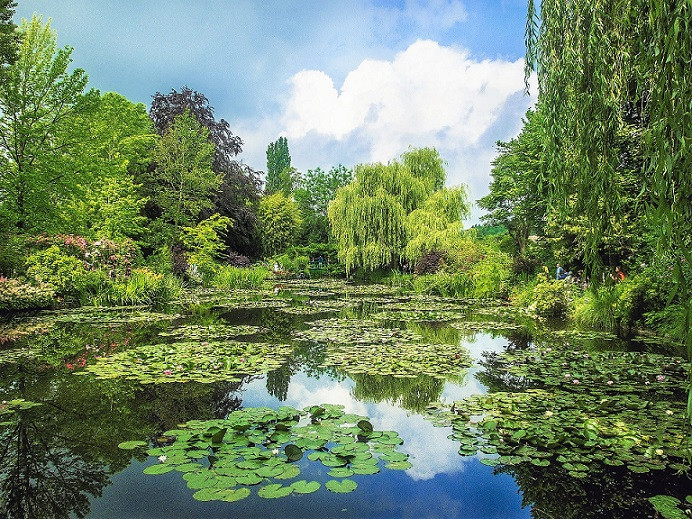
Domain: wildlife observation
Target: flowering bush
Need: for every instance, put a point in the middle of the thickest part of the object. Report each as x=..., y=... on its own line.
x=551, y=298
x=15, y=295
x=114, y=257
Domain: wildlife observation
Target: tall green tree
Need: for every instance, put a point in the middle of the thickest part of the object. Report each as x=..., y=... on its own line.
x=240, y=187
x=278, y=167
x=517, y=199
x=183, y=183
x=8, y=37
x=316, y=189
x=279, y=223
x=117, y=140
x=37, y=97
x=597, y=61
x=370, y=216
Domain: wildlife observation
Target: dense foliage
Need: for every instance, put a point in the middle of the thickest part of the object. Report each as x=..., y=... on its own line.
x=8, y=40
x=609, y=74
x=379, y=219
x=37, y=98
x=314, y=192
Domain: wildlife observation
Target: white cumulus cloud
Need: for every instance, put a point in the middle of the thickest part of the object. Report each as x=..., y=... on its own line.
x=427, y=95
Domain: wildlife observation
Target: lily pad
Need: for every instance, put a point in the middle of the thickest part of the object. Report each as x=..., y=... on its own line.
x=131, y=445
x=305, y=487
x=343, y=486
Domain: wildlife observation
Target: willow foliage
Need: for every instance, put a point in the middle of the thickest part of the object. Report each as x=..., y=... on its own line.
x=436, y=225
x=381, y=217
x=600, y=63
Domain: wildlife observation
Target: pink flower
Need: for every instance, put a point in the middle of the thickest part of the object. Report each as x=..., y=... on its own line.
x=575, y=381
x=242, y=359
x=610, y=382
x=166, y=371
x=568, y=375
x=660, y=378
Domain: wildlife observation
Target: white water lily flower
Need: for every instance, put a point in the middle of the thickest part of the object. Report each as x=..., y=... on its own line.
x=163, y=458
x=275, y=452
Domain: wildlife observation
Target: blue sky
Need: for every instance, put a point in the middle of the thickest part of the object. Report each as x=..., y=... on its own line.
x=344, y=81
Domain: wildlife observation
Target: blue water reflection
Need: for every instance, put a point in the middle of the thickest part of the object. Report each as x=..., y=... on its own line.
x=440, y=484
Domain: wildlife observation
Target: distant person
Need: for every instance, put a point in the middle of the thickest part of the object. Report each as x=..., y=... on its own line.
x=320, y=262
x=619, y=274
x=276, y=267
x=561, y=273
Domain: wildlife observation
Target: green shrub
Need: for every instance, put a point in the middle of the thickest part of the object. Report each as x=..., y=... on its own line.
x=142, y=287
x=228, y=278
x=613, y=307
x=490, y=276
x=65, y=274
x=15, y=295
x=458, y=284
x=671, y=321
x=12, y=255
x=204, y=245
x=551, y=297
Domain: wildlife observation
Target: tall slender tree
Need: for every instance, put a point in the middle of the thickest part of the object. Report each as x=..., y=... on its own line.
x=516, y=199
x=279, y=176
x=183, y=182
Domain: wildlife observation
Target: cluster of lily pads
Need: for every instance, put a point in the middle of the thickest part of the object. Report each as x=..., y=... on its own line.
x=17, y=356
x=222, y=459
x=361, y=346
x=671, y=507
x=191, y=361
x=319, y=306
x=113, y=316
x=607, y=372
x=355, y=331
x=582, y=410
x=416, y=315
x=405, y=359
x=9, y=407
x=214, y=331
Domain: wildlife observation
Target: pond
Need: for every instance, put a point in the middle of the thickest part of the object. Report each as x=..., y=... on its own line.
x=323, y=399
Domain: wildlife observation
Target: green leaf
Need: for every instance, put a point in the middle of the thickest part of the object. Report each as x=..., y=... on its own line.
x=160, y=468
x=343, y=486
x=274, y=491
x=304, y=487
x=365, y=426
x=399, y=465
x=293, y=452
x=132, y=444
x=231, y=495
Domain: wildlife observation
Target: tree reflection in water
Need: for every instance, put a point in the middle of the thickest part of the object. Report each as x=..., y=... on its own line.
x=54, y=457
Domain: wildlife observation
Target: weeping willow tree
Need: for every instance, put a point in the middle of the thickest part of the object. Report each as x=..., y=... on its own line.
x=436, y=224
x=375, y=218
x=601, y=65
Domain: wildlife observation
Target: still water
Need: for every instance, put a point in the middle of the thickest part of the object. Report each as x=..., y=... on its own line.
x=61, y=458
